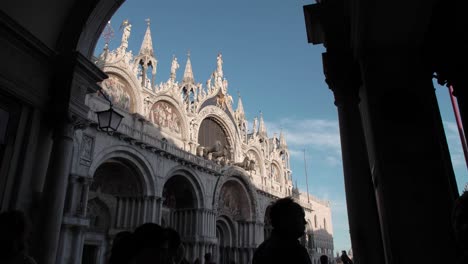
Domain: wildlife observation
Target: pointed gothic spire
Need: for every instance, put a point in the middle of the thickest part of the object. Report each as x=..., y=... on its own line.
x=147, y=44
x=262, y=128
x=282, y=140
x=240, y=107
x=188, y=73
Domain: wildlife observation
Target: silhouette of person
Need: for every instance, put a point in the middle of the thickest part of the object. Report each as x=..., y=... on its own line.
x=287, y=219
x=151, y=244
x=323, y=259
x=208, y=259
x=345, y=259
x=460, y=226
x=14, y=233
x=197, y=261
x=123, y=248
x=175, y=248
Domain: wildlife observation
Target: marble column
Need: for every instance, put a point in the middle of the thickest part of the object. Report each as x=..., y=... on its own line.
x=84, y=195
x=343, y=77
x=410, y=176
x=54, y=192
x=74, y=199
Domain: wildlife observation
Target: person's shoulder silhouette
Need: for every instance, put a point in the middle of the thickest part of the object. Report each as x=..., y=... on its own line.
x=287, y=219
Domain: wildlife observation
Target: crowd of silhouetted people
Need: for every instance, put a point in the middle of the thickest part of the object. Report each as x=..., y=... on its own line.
x=151, y=243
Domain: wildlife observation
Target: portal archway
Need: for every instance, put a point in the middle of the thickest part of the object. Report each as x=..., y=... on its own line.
x=182, y=208
x=235, y=206
x=118, y=201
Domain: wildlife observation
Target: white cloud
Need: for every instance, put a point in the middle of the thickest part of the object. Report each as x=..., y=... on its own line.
x=316, y=132
x=310, y=134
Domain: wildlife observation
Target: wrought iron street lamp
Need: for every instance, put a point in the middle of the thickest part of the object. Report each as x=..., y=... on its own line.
x=108, y=120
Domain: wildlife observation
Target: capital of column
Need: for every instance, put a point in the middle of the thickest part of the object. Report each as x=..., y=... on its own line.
x=342, y=74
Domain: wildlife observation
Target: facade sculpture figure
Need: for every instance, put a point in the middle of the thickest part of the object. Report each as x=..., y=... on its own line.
x=174, y=66
x=219, y=68
x=255, y=126
x=127, y=27
x=247, y=164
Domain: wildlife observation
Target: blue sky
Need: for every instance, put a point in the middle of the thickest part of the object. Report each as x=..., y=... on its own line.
x=268, y=60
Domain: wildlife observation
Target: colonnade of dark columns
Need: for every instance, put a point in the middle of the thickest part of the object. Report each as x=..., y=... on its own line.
x=400, y=185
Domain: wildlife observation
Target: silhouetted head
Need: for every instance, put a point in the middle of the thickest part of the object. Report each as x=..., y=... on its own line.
x=151, y=244
x=287, y=218
x=207, y=257
x=123, y=248
x=13, y=232
x=323, y=259
x=197, y=261
x=460, y=220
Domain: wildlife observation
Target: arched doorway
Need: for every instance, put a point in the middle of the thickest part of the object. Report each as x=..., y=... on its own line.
x=117, y=202
x=181, y=211
x=235, y=225
x=226, y=235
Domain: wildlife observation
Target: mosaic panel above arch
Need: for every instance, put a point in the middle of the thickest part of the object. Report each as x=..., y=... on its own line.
x=165, y=115
x=118, y=91
x=234, y=202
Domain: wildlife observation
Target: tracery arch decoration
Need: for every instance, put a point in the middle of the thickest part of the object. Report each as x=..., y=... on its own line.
x=133, y=157
x=192, y=177
x=133, y=84
x=175, y=106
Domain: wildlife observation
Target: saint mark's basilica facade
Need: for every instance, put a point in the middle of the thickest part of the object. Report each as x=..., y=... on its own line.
x=182, y=157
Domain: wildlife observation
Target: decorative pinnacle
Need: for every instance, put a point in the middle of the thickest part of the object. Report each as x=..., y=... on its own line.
x=188, y=53
x=147, y=21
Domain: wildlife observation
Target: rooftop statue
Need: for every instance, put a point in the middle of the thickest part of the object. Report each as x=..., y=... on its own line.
x=127, y=27
x=175, y=65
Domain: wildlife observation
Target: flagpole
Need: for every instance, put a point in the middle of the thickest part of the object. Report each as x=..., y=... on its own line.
x=307, y=181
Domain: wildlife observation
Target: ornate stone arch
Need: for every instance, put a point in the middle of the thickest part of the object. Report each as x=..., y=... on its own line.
x=223, y=120
x=175, y=106
x=259, y=157
x=192, y=177
x=238, y=176
x=130, y=78
x=281, y=171
x=133, y=157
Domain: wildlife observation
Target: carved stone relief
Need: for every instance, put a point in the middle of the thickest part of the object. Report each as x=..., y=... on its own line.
x=87, y=148
x=165, y=115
